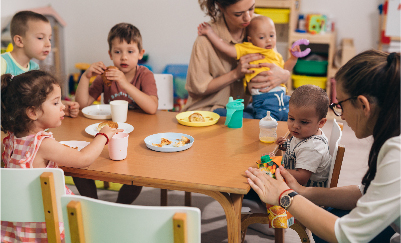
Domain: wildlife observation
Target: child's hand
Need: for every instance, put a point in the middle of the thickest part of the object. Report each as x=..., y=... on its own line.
x=295, y=49
x=96, y=68
x=110, y=131
x=204, y=29
x=71, y=108
x=280, y=140
x=271, y=154
x=116, y=75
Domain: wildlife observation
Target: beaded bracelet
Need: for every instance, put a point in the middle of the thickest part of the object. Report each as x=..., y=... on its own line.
x=100, y=133
x=283, y=193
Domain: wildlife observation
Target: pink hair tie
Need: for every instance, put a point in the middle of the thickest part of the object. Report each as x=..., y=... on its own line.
x=302, y=53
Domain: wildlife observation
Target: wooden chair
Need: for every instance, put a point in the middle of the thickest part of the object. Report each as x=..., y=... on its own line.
x=337, y=153
x=92, y=220
x=33, y=195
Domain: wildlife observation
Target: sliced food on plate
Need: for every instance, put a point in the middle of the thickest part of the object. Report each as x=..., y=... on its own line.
x=169, y=142
x=181, y=142
x=197, y=118
x=107, y=123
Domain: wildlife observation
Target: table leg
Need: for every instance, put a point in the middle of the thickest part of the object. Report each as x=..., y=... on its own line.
x=232, y=207
x=236, y=229
x=278, y=235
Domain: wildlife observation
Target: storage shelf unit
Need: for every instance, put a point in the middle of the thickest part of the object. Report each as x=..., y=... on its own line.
x=328, y=38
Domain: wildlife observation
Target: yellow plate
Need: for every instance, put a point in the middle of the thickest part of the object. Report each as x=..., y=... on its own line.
x=210, y=118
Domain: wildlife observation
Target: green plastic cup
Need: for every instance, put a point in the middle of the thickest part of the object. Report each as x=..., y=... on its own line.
x=235, y=113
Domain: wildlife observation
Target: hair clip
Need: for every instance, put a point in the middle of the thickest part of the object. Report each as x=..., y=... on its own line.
x=12, y=76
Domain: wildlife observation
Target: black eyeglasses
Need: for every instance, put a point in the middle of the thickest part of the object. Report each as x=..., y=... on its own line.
x=337, y=107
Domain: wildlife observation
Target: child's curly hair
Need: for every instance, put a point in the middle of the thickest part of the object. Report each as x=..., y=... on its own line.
x=18, y=93
x=313, y=96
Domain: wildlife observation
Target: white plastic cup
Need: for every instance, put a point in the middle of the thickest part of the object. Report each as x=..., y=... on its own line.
x=119, y=110
x=118, y=146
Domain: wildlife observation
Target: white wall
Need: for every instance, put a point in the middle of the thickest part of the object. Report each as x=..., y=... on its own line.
x=169, y=27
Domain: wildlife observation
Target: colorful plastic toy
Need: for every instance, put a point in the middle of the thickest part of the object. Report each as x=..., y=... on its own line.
x=278, y=216
x=316, y=23
x=302, y=53
x=269, y=165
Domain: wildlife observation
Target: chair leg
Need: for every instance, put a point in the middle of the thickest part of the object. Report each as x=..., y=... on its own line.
x=278, y=235
x=163, y=197
x=188, y=199
x=243, y=234
x=248, y=219
x=106, y=184
x=301, y=231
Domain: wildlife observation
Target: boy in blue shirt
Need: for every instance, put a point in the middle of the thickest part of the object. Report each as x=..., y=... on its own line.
x=31, y=35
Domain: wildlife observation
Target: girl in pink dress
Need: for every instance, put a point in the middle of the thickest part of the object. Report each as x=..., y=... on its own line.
x=30, y=104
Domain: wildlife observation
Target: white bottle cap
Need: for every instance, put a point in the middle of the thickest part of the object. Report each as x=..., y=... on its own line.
x=268, y=121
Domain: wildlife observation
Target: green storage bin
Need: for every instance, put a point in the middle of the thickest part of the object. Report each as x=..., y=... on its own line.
x=311, y=67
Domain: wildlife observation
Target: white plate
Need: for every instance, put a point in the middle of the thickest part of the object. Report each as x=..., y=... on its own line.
x=73, y=144
x=172, y=136
x=92, y=129
x=97, y=112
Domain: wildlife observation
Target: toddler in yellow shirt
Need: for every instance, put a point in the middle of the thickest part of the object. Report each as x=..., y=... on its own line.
x=261, y=36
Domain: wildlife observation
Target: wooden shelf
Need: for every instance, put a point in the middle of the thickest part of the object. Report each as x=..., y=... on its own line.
x=274, y=3
x=329, y=39
x=326, y=38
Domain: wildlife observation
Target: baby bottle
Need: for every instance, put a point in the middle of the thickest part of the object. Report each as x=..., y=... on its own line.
x=268, y=129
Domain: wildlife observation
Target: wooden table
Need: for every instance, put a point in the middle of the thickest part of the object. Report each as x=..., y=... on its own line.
x=215, y=164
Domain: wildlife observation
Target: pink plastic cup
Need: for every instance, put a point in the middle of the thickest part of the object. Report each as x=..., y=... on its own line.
x=118, y=146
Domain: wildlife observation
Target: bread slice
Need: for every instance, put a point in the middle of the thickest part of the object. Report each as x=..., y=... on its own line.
x=107, y=123
x=185, y=139
x=196, y=117
x=179, y=143
x=105, y=80
x=165, y=141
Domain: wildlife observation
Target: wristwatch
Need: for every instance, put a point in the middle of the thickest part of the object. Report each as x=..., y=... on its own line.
x=286, y=200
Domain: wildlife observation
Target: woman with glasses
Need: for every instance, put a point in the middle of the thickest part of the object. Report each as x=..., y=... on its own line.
x=368, y=90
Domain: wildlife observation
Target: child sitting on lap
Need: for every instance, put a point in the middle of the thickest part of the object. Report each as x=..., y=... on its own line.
x=129, y=81
x=31, y=34
x=261, y=34
x=31, y=103
x=307, y=155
